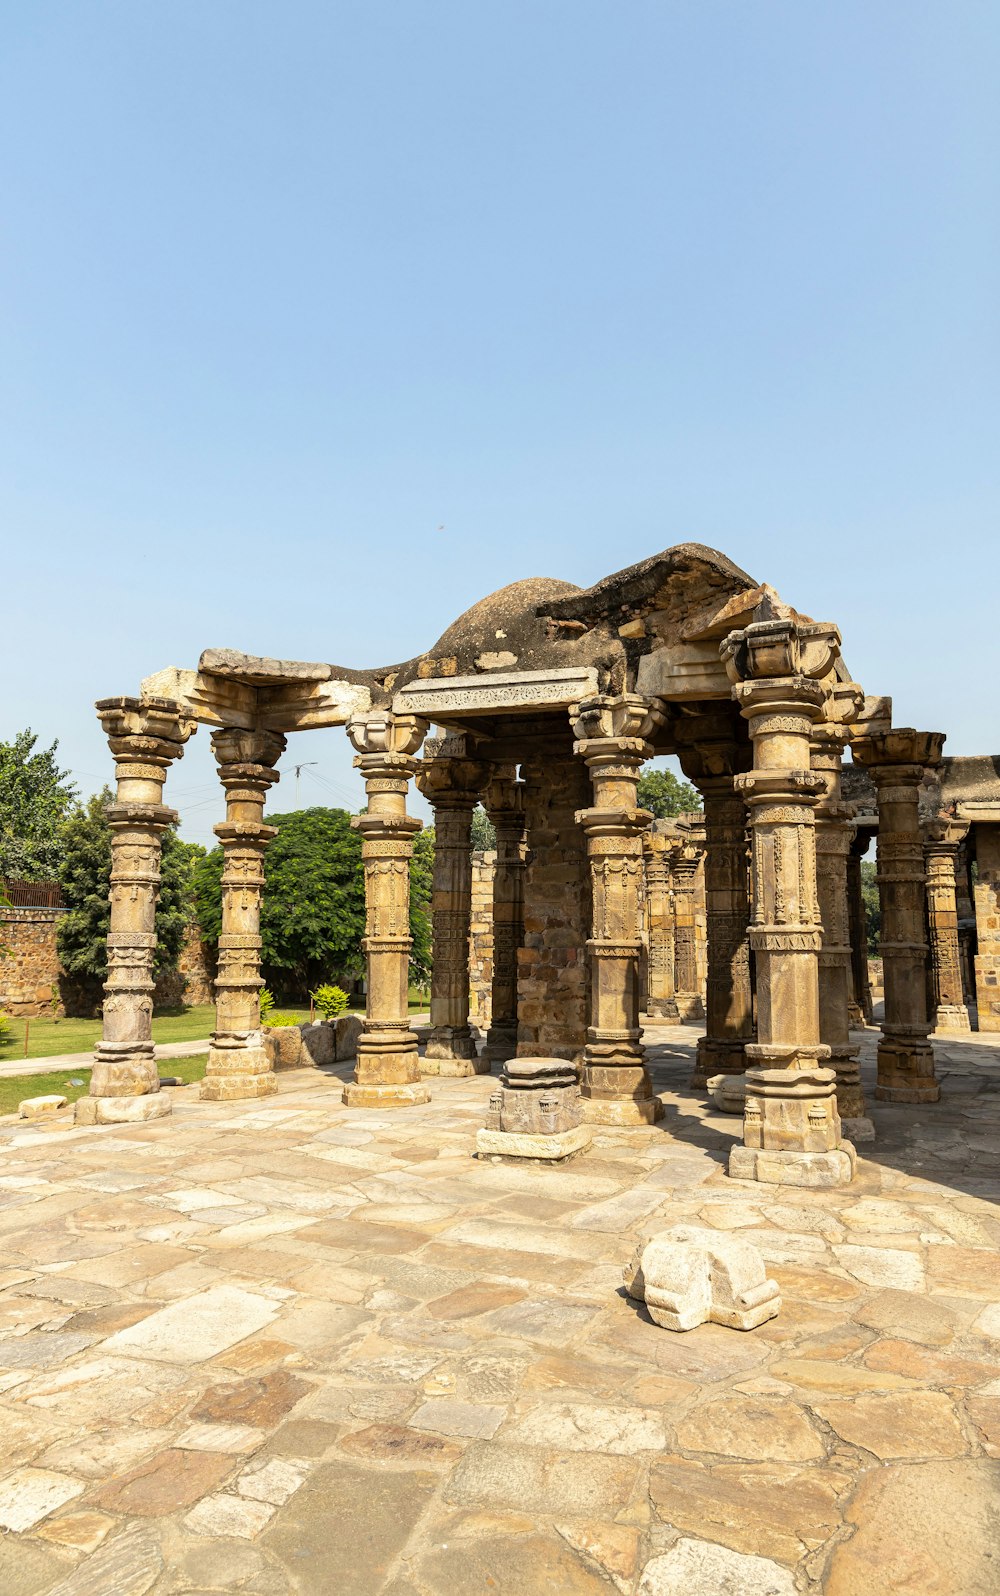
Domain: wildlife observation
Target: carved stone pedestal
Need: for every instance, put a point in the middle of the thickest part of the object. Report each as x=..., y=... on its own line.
x=535, y=1113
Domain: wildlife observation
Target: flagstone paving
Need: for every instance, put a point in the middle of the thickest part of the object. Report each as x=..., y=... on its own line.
x=286, y=1347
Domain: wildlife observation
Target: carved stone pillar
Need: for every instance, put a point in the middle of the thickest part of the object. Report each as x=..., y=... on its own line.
x=611, y=737
x=713, y=766
x=861, y=992
x=942, y=840
x=238, y=1064
x=144, y=736
x=791, y=1126
x=452, y=787
x=987, y=901
x=504, y=801
x=658, y=851
x=897, y=761
x=387, y=1074
x=686, y=863
x=834, y=836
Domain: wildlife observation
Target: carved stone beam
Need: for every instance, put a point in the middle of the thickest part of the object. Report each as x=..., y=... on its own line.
x=897, y=761
x=145, y=737
x=387, y=1072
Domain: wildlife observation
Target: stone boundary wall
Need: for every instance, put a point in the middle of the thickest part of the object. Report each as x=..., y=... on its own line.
x=31, y=975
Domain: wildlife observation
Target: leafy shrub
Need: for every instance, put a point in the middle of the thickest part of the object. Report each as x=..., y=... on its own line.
x=6, y=1034
x=330, y=1000
x=266, y=1005
x=275, y=1021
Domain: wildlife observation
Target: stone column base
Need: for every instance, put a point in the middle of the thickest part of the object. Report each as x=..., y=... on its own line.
x=855, y=1017
x=662, y=1009
x=121, y=1110
x=906, y=1072
x=448, y=1042
x=457, y=1065
x=718, y=1056
x=513, y=1146
x=690, y=1008
x=622, y=1111
x=953, y=1017
x=794, y=1169
x=384, y=1095
x=858, y=1128
x=235, y=1073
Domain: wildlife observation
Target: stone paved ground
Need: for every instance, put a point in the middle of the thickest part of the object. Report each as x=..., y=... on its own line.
x=291, y=1348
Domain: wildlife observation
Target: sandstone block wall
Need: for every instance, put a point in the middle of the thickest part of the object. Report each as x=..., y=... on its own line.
x=31, y=975
x=552, y=967
x=481, y=941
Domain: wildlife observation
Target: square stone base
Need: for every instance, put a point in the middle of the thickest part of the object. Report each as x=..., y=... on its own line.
x=121, y=1110
x=952, y=1017
x=794, y=1169
x=924, y=1091
x=384, y=1095
x=623, y=1111
x=552, y=1149
x=457, y=1068
x=857, y=1128
x=233, y=1088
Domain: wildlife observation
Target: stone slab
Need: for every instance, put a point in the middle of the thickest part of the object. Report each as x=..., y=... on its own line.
x=551, y=1149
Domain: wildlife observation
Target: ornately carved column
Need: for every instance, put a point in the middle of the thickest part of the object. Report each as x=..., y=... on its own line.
x=504, y=801
x=658, y=851
x=834, y=835
x=861, y=1000
x=452, y=786
x=897, y=761
x=791, y=1126
x=238, y=1064
x=611, y=736
x=145, y=736
x=387, y=1074
x=685, y=863
x=729, y=1015
x=942, y=840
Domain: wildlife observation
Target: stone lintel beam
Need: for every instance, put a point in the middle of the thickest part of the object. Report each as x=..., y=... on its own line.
x=272, y=703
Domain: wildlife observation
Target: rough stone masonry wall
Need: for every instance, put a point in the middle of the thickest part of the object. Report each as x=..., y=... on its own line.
x=987, y=896
x=481, y=941
x=552, y=972
x=31, y=975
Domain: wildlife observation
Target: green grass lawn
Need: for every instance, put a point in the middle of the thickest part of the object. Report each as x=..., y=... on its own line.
x=47, y=1037
x=14, y=1088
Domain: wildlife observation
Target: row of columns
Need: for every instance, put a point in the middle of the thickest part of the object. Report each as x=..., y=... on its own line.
x=802, y=1067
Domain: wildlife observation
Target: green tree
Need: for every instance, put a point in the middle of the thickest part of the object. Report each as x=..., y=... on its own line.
x=666, y=794
x=873, y=905
x=35, y=798
x=483, y=831
x=313, y=907
x=421, y=886
x=85, y=846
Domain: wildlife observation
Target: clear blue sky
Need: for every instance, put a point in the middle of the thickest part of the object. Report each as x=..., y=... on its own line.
x=322, y=320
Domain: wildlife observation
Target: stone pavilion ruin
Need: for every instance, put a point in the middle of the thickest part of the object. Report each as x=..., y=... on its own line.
x=545, y=702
